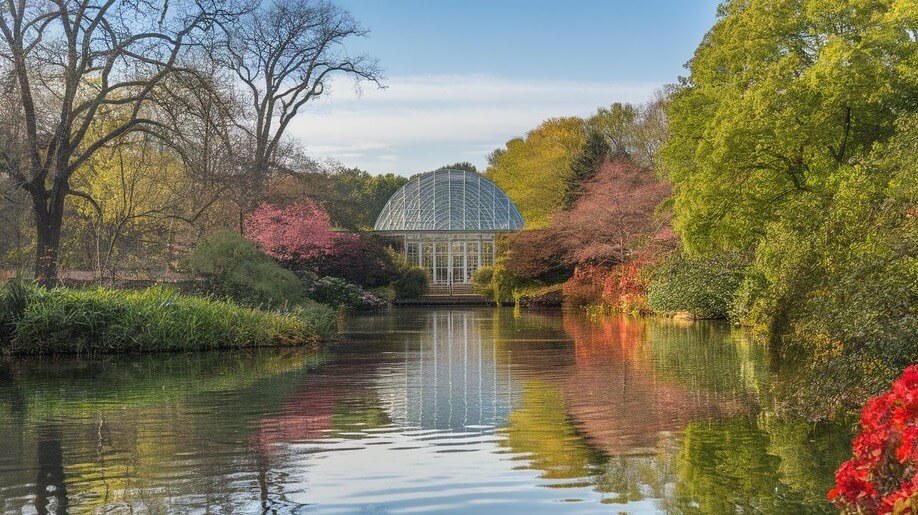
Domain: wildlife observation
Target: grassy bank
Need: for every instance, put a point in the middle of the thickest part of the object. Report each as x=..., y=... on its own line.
x=57, y=321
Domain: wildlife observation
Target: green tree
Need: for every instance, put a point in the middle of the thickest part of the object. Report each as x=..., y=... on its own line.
x=782, y=94
x=617, y=126
x=357, y=197
x=533, y=171
x=463, y=165
x=793, y=140
x=584, y=165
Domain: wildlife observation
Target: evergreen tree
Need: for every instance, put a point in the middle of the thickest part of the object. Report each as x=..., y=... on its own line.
x=594, y=151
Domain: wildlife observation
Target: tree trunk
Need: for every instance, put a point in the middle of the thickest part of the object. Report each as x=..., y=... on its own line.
x=49, y=218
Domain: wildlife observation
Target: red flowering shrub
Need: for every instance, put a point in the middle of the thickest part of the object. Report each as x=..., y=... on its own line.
x=883, y=475
x=624, y=291
x=585, y=286
x=617, y=288
x=292, y=233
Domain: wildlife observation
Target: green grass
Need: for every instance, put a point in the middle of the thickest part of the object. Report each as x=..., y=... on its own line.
x=72, y=321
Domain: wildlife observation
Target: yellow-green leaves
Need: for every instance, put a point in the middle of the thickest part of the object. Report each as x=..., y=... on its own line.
x=533, y=171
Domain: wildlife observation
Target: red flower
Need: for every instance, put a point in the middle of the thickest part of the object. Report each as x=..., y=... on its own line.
x=885, y=453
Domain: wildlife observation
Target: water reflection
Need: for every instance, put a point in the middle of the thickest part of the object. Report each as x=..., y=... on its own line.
x=479, y=409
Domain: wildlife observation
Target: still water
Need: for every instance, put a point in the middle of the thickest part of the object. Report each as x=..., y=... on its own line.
x=457, y=410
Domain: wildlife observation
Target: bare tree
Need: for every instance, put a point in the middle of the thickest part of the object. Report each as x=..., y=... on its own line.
x=84, y=73
x=285, y=53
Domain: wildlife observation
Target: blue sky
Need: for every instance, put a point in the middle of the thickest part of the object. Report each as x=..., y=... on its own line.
x=464, y=77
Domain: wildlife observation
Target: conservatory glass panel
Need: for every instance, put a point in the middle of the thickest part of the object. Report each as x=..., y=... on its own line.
x=449, y=200
x=413, y=253
x=487, y=253
x=427, y=258
x=471, y=260
x=458, y=258
x=441, y=263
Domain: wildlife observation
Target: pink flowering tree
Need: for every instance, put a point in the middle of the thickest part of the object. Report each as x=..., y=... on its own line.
x=300, y=232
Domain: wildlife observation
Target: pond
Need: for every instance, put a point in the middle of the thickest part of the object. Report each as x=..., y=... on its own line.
x=457, y=410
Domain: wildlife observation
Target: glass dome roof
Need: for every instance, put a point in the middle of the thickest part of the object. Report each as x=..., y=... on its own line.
x=449, y=200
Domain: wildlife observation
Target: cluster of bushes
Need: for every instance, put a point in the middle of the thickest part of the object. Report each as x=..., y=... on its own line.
x=617, y=288
x=335, y=291
x=35, y=320
x=702, y=287
x=289, y=258
x=411, y=281
x=232, y=267
x=497, y=283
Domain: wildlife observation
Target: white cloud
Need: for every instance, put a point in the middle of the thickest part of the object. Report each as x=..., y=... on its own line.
x=418, y=123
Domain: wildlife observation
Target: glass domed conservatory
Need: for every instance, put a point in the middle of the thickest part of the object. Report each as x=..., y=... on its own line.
x=448, y=220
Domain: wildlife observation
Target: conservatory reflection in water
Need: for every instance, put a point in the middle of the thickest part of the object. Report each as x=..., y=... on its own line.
x=452, y=380
x=448, y=221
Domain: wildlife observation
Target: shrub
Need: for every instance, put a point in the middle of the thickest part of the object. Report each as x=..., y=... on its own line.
x=623, y=289
x=498, y=283
x=370, y=300
x=62, y=320
x=298, y=232
x=705, y=287
x=482, y=282
x=883, y=475
x=336, y=292
x=412, y=282
x=233, y=267
x=585, y=286
x=359, y=259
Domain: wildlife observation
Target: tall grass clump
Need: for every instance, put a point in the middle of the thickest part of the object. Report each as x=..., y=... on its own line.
x=14, y=297
x=65, y=320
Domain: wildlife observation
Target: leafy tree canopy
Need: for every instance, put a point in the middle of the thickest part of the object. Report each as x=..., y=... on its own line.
x=781, y=94
x=533, y=171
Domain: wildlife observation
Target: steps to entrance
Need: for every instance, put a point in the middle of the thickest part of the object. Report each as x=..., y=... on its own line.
x=447, y=289
x=446, y=294
x=445, y=300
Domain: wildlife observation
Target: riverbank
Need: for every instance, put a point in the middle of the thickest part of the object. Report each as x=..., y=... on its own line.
x=35, y=320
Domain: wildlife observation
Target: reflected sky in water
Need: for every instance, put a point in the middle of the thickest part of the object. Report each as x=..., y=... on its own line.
x=420, y=410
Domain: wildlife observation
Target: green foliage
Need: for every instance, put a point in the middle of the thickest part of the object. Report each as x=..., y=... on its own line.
x=412, y=281
x=14, y=297
x=498, y=283
x=336, y=292
x=584, y=165
x=107, y=321
x=616, y=126
x=481, y=281
x=705, y=287
x=233, y=267
x=317, y=319
x=357, y=197
x=794, y=139
x=463, y=165
x=838, y=292
x=533, y=171
x=781, y=95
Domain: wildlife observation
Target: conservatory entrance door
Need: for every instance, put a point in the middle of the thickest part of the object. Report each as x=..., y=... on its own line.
x=450, y=261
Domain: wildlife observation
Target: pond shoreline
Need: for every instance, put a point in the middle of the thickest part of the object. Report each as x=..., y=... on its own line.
x=35, y=320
